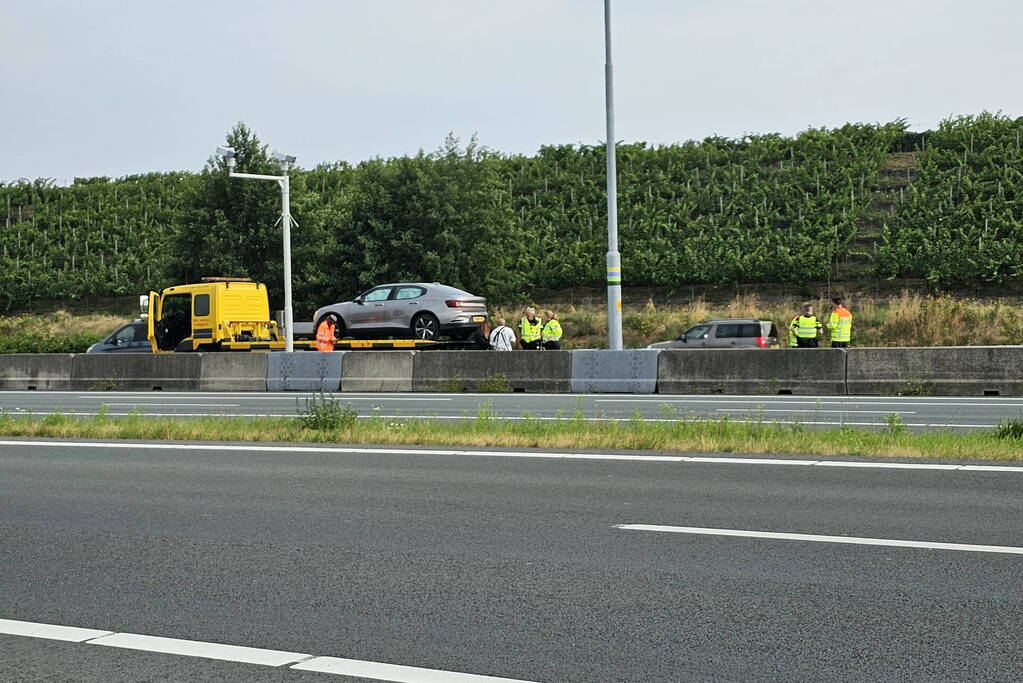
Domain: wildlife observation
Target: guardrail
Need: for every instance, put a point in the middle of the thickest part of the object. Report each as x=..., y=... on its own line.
x=937, y=371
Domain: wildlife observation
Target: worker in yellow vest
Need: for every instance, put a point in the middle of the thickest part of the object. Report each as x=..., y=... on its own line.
x=840, y=324
x=551, y=335
x=530, y=329
x=792, y=332
x=325, y=335
x=807, y=329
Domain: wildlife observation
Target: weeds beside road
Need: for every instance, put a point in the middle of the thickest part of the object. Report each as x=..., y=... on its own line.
x=326, y=420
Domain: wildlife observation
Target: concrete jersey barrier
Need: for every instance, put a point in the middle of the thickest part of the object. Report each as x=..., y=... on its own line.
x=135, y=372
x=377, y=371
x=751, y=371
x=941, y=371
x=630, y=371
x=529, y=371
x=304, y=371
x=35, y=371
x=233, y=371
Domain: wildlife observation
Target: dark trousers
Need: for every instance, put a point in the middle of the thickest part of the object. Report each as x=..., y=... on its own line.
x=552, y=345
x=807, y=342
x=839, y=345
x=531, y=345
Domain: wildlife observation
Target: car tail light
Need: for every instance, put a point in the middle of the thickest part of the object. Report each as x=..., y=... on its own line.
x=454, y=303
x=762, y=342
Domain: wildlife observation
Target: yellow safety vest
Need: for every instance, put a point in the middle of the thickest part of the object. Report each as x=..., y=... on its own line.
x=552, y=331
x=530, y=331
x=807, y=326
x=840, y=325
x=792, y=332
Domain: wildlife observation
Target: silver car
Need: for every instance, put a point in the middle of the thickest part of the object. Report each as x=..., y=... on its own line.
x=422, y=310
x=725, y=333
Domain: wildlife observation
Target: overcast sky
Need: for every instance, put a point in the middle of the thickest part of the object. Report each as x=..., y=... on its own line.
x=113, y=87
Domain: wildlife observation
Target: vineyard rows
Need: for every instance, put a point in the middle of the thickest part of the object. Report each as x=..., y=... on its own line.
x=756, y=209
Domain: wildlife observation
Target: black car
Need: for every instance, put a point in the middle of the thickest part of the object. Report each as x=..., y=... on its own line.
x=131, y=338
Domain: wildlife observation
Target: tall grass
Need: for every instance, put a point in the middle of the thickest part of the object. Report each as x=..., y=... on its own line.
x=488, y=430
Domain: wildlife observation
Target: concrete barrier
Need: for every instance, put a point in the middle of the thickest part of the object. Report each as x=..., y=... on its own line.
x=135, y=372
x=233, y=371
x=42, y=371
x=378, y=371
x=631, y=371
x=939, y=371
x=529, y=371
x=304, y=371
x=751, y=371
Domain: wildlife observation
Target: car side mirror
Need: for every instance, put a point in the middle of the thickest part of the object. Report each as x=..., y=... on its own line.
x=359, y=300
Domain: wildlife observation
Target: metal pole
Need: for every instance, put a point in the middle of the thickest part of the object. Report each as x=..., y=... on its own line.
x=289, y=316
x=614, y=259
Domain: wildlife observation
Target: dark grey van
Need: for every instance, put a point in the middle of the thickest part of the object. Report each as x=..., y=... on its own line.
x=725, y=333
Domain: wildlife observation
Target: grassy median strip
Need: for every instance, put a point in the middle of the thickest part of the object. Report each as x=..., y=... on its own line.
x=325, y=420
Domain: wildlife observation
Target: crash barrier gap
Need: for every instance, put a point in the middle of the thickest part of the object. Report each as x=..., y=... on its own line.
x=947, y=371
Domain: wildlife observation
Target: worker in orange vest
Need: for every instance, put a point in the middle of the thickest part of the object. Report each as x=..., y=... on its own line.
x=325, y=335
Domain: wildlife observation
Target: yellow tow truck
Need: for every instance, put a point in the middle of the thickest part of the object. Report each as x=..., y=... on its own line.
x=233, y=314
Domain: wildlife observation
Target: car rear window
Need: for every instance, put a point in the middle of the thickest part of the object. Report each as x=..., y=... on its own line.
x=737, y=330
x=409, y=292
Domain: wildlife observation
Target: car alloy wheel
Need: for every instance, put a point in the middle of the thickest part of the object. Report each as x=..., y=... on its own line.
x=425, y=326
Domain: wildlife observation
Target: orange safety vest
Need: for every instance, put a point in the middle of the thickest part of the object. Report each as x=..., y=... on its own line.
x=325, y=336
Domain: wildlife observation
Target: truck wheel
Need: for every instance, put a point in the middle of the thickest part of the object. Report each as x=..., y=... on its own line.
x=425, y=326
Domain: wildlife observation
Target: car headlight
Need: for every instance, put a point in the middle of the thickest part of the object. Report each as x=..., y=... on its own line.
x=89, y=350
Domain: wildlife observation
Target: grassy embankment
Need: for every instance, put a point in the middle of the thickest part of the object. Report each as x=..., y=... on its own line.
x=906, y=319
x=326, y=420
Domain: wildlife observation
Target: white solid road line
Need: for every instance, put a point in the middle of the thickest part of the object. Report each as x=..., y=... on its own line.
x=556, y=455
x=197, y=648
x=247, y=655
x=393, y=672
x=31, y=629
x=853, y=540
x=843, y=411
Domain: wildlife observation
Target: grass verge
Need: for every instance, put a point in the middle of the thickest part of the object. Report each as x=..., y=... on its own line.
x=487, y=430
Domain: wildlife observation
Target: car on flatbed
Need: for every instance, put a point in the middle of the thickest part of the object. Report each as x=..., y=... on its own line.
x=420, y=310
x=725, y=333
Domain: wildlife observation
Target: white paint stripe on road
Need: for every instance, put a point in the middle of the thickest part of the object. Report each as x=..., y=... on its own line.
x=30, y=629
x=354, y=450
x=197, y=648
x=756, y=409
x=247, y=655
x=978, y=403
x=185, y=405
x=393, y=672
x=853, y=540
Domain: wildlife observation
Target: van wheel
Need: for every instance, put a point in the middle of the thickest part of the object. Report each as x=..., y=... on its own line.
x=425, y=326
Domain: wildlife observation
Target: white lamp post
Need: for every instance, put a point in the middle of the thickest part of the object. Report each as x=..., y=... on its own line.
x=286, y=160
x=614, y=259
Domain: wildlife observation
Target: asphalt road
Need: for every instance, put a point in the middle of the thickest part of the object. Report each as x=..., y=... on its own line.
x=508, y=565
x=916, y=412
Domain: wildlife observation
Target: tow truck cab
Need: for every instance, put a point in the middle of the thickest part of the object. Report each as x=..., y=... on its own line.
x=229, y=314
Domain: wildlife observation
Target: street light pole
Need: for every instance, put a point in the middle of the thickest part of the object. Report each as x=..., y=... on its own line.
x=614, y=259
x=284, y=182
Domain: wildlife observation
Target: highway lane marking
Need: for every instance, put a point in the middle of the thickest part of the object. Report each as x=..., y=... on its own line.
x=356, y=450
x=852, y=540
x=392, y=672
x=31, y=629
x=198, y=648
x=247, y=655
x=867, y=402
x=187, y=405
x=757, y=409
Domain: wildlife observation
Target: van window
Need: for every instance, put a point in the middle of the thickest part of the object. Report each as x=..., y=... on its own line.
x=737, y=330
x=202, y=305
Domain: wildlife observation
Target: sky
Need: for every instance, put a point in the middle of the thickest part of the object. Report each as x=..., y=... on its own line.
x=117, y=87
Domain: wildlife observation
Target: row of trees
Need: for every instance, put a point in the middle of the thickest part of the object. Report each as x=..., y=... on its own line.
x=759, y=208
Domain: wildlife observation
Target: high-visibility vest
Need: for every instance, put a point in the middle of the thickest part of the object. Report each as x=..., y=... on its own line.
x=806, y=326
x=325, y=336
x=530, y=331
x=552, y=331
x=840, y=325
x=792, y=332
